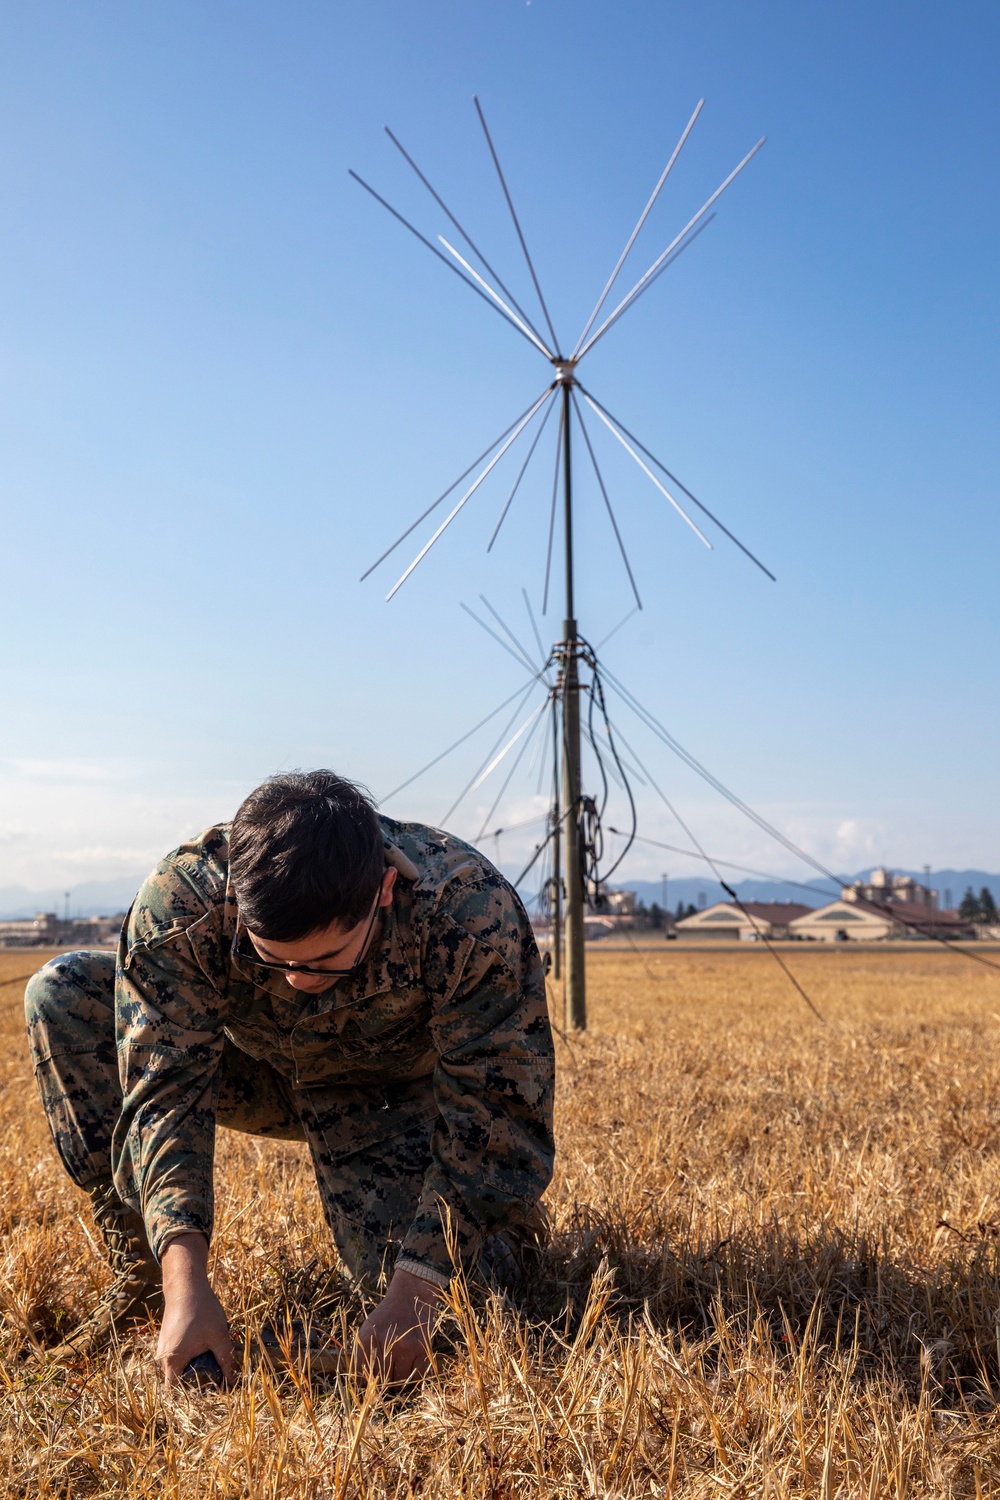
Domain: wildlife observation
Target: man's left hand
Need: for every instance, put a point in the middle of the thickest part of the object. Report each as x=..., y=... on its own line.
x=395, y=1340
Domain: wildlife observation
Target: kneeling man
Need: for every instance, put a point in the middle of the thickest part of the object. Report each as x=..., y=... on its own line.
x=312, y=971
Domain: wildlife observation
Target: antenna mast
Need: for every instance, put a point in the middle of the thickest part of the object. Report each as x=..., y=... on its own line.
x=570, y=837
x=568, y=692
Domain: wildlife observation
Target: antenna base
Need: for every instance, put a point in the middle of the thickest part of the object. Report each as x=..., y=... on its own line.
x=564, y=371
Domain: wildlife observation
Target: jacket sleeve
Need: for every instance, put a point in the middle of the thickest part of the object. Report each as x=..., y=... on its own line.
x=169, y=1012
x=493, y=1148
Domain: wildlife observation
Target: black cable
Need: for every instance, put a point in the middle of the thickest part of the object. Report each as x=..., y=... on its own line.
x=762, y=823
x=801, y=885
x=630, y=837
x=711, y=864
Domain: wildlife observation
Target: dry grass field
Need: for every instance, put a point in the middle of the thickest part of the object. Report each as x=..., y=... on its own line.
x=773, y=1271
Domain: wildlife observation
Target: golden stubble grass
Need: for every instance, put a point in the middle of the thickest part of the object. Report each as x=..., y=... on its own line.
x=773, y=1268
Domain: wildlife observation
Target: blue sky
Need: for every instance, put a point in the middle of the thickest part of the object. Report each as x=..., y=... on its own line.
x=229, y=379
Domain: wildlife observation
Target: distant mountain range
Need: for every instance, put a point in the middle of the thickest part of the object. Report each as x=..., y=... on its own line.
x=92, y=898
x=700, y=891
x=102, y=898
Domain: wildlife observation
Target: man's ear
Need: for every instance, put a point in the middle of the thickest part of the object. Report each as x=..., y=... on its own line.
x=388, y=881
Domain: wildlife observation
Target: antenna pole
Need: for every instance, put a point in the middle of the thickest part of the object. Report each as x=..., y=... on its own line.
x=576, y=982
x=556, y=849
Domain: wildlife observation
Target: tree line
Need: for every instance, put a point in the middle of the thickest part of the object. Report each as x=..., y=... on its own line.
x=981, y=908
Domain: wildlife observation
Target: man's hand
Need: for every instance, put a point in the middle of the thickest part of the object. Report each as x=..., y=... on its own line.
x=193, y=1320
x=395, y=1341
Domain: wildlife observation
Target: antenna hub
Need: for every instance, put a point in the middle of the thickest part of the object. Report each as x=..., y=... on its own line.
x=564, y=371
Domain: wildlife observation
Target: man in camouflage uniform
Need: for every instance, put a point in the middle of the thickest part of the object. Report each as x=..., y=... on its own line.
x=310, y=972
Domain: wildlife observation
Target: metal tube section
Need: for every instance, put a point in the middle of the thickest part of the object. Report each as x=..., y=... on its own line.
x=557, y=902
x=576, y=980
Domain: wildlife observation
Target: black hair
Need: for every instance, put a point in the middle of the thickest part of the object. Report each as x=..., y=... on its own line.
x=306, y=849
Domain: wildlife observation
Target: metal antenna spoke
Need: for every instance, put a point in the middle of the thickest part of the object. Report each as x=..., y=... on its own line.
x=468, y=240
x=729, y=890
x=535, y=721
x=536, y=755
x=435, y=251
x=543, y=767
x=483, y=626
x=654, y=725
x=625, y=763
x=516, y=827
x=513, y=214
x=686, y=244
x=516, y=485
x=534, y=626
x=498, y=300
x=523, y=696
x=468, y=494
x=647, y=471
x=552, y=515
x=674, y=480
x=625, y=302
x=600, y=481
x=800, y=885
x=460, y=741
x=510, y=635
x=444, y=495
x=508, y=747
x=624, y=621
x=539, y=849
x=642, y=219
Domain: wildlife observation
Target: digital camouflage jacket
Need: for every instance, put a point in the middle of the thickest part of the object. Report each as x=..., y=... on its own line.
x=444, y=1022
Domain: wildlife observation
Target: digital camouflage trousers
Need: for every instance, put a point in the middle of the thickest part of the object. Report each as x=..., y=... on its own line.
x=369, y=1199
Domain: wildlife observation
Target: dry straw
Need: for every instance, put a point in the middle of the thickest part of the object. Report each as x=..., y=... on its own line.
x=773, y=1270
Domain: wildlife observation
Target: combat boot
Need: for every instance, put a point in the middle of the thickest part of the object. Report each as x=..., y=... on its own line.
x=136, y=1293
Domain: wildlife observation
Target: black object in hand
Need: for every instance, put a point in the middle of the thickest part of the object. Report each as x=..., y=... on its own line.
x=203, y=1370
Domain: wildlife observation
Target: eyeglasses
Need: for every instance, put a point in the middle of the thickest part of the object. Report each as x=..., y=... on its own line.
x=240, y=950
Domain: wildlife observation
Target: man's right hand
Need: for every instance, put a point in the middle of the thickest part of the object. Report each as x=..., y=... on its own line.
x=193, y=1319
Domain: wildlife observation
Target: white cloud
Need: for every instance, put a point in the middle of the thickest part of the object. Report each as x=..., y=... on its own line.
x=61, y=770
x=61, y=831
x=104, y=855
x=856, y=842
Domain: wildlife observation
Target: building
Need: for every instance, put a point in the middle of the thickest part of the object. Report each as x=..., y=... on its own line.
x=852, y=919
x=771, y=919
x=885, y=889
x=46, y=930
x=43, y=930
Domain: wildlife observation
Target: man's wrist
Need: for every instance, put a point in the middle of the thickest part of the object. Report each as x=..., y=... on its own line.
x=436, y=1279
x=184, y=1258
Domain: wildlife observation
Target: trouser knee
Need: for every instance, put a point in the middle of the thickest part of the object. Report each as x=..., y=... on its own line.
x=69, y=1005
